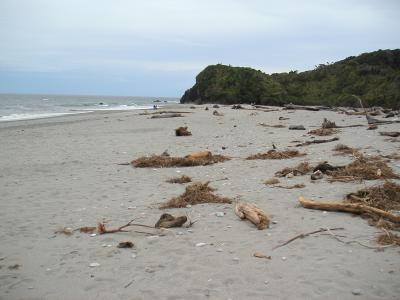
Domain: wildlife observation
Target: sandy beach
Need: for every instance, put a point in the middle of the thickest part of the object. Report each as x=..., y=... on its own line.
x=66, y=172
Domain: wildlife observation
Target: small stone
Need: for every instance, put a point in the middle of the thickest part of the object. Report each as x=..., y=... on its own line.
x=236, y=259
x=317, y=175
x=200, y=244
x=356, y=292
x=93, y=234
x=274, y=222
x=220, y=214
x=179, y=233
x=188, y=206
x=266, y=282
x=94, y=264
x=220, y=250
x=284, y=258
x=133, y=255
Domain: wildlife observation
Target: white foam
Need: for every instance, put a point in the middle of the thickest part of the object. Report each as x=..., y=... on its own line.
x=31, y=116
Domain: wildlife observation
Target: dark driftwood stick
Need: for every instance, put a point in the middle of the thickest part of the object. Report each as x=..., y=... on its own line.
x=303, y=235
x=317, y=142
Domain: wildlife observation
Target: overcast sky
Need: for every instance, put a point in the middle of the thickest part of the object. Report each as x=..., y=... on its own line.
x=156, y=48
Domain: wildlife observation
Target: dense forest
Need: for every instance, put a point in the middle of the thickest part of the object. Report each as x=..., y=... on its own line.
x=375, y=77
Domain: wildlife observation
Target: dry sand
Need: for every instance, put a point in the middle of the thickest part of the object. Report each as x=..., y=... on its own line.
x=64, y=172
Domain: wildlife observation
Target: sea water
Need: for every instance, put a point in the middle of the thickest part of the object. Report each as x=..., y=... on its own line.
x=34, y=106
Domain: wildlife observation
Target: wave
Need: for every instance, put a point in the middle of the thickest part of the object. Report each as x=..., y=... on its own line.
x=31, y=116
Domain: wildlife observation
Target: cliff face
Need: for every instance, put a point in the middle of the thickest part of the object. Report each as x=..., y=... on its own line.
x=374, y=76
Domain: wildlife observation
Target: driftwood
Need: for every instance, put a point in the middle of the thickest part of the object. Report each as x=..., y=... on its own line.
x=390, y=133
x=297, y=127
x=163, y=116
x=303, y=107
x=146, y=113
x=252, y=213
x=317, y=142
x=168, y=221
x=354, y=208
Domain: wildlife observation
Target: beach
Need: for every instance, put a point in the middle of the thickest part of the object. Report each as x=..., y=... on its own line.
x=71, y=172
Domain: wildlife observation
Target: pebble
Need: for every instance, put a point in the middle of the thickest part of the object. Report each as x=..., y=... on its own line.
x=93, y=234
x=188, y=206
x=133, y=255
x=236, y=258
x=284, y=257
x=356, y=292
x=220, y=250
x=266, y=281
x=200, y=244
x=93, y=265
x=220, y=214
x=179, y=233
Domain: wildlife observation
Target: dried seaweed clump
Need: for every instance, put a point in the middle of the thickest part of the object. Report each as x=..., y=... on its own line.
x=344, y=149
x=182, y=179
x=328, y=124
x=274, y=154
x=196, y=193
x=364, y=168
x=182, y=131
x=385, y=196
x=301, y=169
x=164, y=161
x=323, y=131
x=388, y=238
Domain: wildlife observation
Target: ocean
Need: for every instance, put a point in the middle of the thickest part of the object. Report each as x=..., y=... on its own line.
x=34, y=106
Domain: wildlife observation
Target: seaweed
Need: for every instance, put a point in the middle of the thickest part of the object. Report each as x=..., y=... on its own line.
x=274, y=154
x=182, y=179
x=301, y=169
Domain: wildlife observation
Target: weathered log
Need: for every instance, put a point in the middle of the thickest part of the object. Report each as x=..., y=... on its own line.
x=390, y=133
x=312, y=108
x=354, y=208
x=252, y=213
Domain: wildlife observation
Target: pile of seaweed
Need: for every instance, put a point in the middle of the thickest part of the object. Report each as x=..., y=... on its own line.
x=196, y=193
x=301, y=169
x=181, y=180
x=166, y=161
x=275, y=154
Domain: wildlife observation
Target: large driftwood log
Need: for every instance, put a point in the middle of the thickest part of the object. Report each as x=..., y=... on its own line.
x=354, y=208
x=252, y=213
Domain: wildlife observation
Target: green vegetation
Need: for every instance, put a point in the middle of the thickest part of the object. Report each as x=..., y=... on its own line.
x=374, y=76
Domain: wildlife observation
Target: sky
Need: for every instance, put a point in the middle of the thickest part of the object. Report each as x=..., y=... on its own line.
x=156, y=48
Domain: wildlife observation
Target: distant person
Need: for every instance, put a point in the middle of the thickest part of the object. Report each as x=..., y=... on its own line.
x=155, y=106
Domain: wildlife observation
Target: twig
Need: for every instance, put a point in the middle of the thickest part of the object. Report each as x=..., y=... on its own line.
x=355, y=242
x=129, y=283
x=102, y=228
x=303, y=235
x=317, y=142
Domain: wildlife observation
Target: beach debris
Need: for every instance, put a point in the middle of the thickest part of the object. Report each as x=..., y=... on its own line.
x=202, y=158
x=192, y=107
x=275, y=154
x=385, y=196
x=182, y=179
x=304, y=107
x=271, y=181
x=301, y=169
x=101, y=228
x=344, y=149
x=182, y=131
x=201, y=244
x=261, y=255
x=289, y=187
x=326, y=124
x=164, y=116
x=272, y=126
x=94, y=265
x=364, y=168
x=169, y=221
x=388, y=239
x=356, y=292
x=323, y=131
x=317, y=142
x=126, y=244
x=196, y=193
x=372, y=127
x=219, y=214
x=325, y=168
x=215, y=106
x=14, y=267
x=303, y=235
x=66, y=230
x=237, y=106
x=355, y=208
x=390, y=133
x=297, y=127
x=251, y=212
x=283, y=118
x=87, y=229
x=161, y=112
x=216, y=113
x=317, y=175
x=206, y=108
